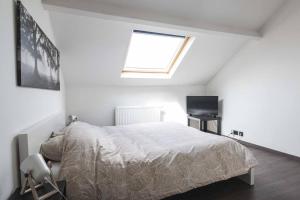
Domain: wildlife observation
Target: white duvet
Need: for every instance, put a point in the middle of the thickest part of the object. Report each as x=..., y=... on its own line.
x=146, y=161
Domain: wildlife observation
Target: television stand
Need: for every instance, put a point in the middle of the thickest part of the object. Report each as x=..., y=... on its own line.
x=200, y=122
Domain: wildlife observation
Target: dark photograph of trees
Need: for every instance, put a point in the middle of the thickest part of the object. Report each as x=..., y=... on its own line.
x=37, y=57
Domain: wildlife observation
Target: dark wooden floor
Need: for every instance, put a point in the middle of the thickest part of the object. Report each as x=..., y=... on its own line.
x=277, y=177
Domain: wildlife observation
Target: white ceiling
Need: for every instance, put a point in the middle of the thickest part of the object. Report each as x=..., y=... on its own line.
x=240, y=14
x=93, y=47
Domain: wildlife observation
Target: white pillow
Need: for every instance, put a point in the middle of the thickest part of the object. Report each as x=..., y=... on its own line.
x=52, y=148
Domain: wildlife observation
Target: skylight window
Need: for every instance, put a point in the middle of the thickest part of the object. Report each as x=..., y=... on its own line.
x=154, y=55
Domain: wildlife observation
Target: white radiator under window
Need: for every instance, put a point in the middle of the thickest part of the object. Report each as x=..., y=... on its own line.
x=136, y=114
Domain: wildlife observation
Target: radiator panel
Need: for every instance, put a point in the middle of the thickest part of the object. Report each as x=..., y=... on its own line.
x=136, y=114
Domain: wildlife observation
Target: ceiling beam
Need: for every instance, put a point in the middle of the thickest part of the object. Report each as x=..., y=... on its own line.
x=111, y=13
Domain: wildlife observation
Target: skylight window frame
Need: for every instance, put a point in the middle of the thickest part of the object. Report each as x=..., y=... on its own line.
x=164, y=72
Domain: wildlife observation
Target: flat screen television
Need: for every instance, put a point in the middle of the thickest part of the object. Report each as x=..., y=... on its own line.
x=202, y=105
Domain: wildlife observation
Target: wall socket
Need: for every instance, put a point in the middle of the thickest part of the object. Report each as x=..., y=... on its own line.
x=239, y=133
x=234, y=132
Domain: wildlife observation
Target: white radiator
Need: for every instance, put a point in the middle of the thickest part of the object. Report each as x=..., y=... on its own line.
x=136, y=114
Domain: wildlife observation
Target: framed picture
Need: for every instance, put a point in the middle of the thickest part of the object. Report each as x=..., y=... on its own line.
x=37, y=57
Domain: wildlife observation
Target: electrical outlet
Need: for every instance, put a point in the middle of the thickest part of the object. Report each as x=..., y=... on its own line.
x=241, y=134
x=234, y=132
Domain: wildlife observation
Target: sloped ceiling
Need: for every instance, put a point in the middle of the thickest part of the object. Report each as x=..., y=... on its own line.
x=94, y=47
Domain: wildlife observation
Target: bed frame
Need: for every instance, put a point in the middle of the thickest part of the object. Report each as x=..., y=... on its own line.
x=30, y=139
x=248, y=178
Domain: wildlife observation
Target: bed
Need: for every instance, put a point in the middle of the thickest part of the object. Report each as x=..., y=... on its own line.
x=147, y=160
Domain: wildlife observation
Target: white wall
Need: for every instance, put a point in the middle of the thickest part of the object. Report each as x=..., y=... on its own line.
x=94, y=51
x=260, y=87
x=96, y=104
x=19, y=107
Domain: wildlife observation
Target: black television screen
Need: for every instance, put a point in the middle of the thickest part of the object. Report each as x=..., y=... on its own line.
x=202, y=105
